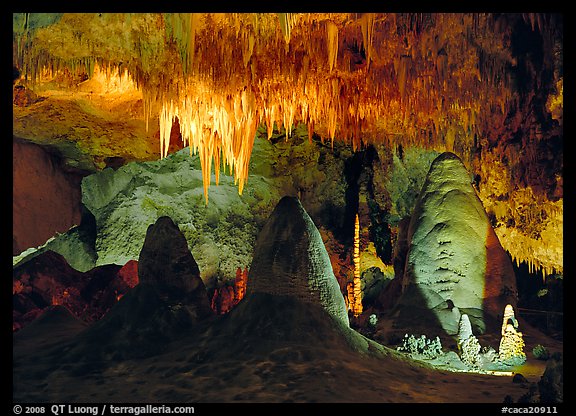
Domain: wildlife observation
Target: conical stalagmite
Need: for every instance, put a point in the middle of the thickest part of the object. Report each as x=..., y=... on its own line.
x=454, y=254
x=290, y=259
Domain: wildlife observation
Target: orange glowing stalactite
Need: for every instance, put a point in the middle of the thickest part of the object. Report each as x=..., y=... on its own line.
x=215, y=127
x=223, y=74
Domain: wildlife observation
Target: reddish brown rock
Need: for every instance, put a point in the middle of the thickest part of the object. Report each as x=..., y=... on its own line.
x=223, y=299
x=47, y=280
x=46, y=199
x=129, y=273
x=226, y=297
x=240, y=284
x=23, y=97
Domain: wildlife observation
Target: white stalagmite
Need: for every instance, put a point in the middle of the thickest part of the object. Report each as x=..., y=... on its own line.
x=511, y=349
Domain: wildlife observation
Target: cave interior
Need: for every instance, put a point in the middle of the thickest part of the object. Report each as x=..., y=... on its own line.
x=269, y=207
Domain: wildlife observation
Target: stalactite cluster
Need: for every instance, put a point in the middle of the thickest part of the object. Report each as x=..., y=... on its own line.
x=451, y=82
x=360, y=77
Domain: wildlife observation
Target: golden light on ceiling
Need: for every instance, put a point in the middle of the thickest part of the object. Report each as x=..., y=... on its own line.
x=361, y=78
x=436, y=80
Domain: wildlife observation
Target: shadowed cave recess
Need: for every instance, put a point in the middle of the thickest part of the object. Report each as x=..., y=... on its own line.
x=267, y=207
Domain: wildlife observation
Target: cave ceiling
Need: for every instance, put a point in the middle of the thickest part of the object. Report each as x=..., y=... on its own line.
x=486, y=86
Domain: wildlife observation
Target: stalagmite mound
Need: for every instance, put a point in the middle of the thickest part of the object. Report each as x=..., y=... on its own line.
x=169, y=298
x=290, y=260
x=455, y=261
x=292, y=298
x=167, y=264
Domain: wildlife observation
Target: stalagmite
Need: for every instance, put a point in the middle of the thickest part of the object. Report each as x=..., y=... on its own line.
x=511, y=350
x=357, y=283
x=508, y=316
x=467, y=343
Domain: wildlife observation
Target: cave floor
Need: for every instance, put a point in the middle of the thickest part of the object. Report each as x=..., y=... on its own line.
x=290, y=372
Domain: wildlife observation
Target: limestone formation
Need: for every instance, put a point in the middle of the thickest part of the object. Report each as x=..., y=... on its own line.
x=454, y=254
x=222, y=299
x=290, y=259
x=167, y=264
x=511, y=350
x=240, y=283
x=551, y=384
x=468, y=344
x=540, y=352
x=509, y=318
x=464, y=329
x=421, y=346
x=169, y=298
x=227, y=296
x=356, y=306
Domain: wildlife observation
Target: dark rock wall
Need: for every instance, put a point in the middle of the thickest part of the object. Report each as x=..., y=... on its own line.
x=46, y=199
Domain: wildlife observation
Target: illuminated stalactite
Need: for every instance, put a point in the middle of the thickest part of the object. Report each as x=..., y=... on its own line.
x=214, y=127
x=166, y=54
x=332, y=40
x=436, y=80
x=537, y=234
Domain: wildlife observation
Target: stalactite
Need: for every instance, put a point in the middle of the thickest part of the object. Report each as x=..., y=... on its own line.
x=367, y=26
x=418, y=77
x=332, y=41
x=286, y=23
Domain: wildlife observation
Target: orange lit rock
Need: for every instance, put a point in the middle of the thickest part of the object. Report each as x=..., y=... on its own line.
x=222, y=299
x=227, y=296
x=356, y=306
x=47, y=279
x=240, y=283
x=129, y=273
